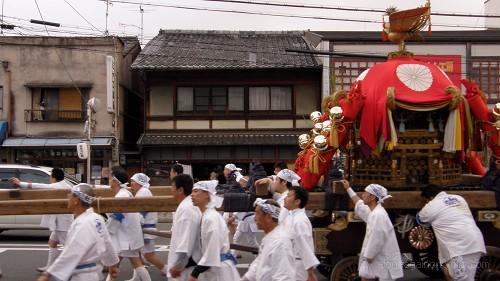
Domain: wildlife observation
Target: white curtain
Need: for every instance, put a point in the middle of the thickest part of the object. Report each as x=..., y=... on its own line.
x=236, y=96
x=185, y=99
x=281, y=98
x=259, y=98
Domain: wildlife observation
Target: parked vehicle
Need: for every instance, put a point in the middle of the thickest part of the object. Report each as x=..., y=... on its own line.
x=26, y=173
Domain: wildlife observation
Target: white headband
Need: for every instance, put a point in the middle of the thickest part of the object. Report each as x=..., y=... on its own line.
x=82, y=196
x=141, y=179
x=267, y=208
x=290, y=176
x=232, y=167
x=209, y=186
x=378, y=191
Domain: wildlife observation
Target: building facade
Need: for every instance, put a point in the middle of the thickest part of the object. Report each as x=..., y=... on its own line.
x=461, y=54
x=215, y=97
x=45, y=83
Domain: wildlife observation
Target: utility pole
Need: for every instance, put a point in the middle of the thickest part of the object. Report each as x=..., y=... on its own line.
x=91, y=108
x=107, y=13
x=142, y=23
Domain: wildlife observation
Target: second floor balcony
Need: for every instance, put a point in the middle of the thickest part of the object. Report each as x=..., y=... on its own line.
x=41, y=115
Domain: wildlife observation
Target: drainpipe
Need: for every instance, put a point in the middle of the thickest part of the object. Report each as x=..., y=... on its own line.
x=7, y=101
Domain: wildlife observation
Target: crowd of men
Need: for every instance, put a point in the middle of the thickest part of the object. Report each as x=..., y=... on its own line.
x=200, y=235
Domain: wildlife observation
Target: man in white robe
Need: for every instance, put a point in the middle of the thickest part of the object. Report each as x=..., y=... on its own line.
x=216, y=263
x=185, y=240
x=58, y=225
x=139, y=184
x=125, y=228
x=460, y=242
x=88, y=243
x=299, y=227
x=275, y=261
x=279, y=187
x=380, y=256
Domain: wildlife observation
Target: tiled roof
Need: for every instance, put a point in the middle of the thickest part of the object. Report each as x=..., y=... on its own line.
x=194, y=50
x=129, y=43
x=204, y=138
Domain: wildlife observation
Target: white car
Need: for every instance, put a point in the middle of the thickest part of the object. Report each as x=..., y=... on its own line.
x=26, y=173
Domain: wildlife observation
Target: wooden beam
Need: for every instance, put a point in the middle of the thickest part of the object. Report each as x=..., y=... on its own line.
x=103, y=205
x=477, y=199
x=34, y=194
x=165, y=234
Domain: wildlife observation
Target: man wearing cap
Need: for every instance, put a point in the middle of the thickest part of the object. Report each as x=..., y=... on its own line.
x=125, y=228
x=380, y=256
x=284, y=180
x=185, y=240
x=87, y=243
x=233, y=174
x=460, y=242
x=57, y=224
x=216, y=263
x=298, y=226
x=139, y=183
x=275, y=261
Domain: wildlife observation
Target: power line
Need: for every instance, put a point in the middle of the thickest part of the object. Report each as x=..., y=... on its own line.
x=269, y=14
x=307, y=6
x=60, y=59
x=74, y=9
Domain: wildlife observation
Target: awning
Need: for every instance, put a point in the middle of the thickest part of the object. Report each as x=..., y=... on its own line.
x=54, y=142
x=213, y=137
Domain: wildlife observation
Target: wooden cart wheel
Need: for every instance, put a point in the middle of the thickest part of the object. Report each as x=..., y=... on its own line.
x=489, y=265
x=346, y=270
x=428, y=263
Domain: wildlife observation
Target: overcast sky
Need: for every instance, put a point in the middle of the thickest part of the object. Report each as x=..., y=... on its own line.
x=126, y=18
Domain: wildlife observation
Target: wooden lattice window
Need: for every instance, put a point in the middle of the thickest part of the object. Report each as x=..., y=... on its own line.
x=486, y=72
x=345, y=71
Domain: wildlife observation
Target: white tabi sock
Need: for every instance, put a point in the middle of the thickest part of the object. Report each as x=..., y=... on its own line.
x=143, y=274
x=53, y=254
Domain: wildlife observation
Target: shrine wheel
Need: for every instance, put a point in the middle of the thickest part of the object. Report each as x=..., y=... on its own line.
x=346, y=270
x=489, y=265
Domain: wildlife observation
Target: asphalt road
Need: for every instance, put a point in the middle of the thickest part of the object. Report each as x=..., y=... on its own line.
x=23, y=251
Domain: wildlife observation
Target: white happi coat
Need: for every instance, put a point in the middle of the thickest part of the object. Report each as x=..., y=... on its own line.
x=276, y=261
x=127, y=234
x=456, y=231
x=380, y=244
x=214, y=243
x=299, y=227
x=88, y=242
x=280, y=198
x=60, y=222
x=148, y=218
x=185, y=235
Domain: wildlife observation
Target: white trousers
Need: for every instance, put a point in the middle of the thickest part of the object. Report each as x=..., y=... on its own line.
x=464, y=268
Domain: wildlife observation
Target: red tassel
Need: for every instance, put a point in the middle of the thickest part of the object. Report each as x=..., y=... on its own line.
x=384, y=36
